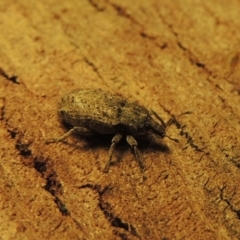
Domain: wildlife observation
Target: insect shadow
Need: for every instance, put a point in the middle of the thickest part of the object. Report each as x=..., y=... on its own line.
x=98, y=141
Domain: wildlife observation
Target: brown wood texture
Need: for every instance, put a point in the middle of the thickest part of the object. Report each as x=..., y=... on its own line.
x=170, y=56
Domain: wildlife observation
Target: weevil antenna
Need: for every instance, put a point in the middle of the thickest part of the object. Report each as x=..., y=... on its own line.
x=173, y=139
x=173, y=119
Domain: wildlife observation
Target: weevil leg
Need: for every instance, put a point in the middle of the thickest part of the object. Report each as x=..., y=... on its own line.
x=133, y=143
x=159, y=118
x=76, y=130
x=116, y=139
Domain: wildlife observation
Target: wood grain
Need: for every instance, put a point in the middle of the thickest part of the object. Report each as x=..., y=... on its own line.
x=171, y=56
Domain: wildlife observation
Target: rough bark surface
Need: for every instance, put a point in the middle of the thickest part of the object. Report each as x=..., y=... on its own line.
x=170, y=56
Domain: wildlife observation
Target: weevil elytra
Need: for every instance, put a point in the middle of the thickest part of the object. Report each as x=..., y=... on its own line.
x=91, y=111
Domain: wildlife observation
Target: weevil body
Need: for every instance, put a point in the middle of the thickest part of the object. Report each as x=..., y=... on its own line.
x=91, y=111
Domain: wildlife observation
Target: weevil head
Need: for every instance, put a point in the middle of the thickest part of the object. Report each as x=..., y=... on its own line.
x=156, y=128
x=159, y=130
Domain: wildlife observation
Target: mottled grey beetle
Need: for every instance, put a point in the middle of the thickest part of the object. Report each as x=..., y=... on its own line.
x=91, y=111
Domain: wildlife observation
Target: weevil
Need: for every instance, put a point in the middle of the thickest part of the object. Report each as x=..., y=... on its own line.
x=91, y=111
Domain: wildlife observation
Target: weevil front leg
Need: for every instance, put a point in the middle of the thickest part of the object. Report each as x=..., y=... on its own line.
x=133, y=143
x=116, y=139
x=159, y=118
x=75, y=130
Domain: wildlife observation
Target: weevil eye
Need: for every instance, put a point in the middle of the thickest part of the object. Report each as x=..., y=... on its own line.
x=161, y=131
x=163, y=134
x=61, y=113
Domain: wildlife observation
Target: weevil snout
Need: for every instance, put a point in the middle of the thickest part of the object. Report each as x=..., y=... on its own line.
x=160, y=130
x=163, y=134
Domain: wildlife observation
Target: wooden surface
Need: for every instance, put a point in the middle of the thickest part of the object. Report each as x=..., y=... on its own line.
x=171, y=56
